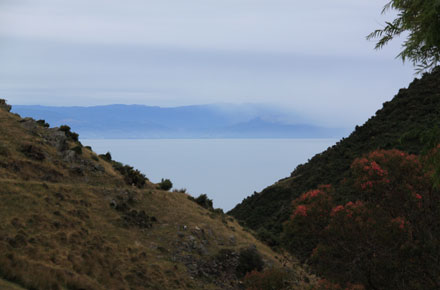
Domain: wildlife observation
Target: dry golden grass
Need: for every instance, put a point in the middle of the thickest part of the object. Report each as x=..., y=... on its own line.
x=60, y=229
x=9, y=286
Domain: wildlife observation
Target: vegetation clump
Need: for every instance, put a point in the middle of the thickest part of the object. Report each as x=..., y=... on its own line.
x=203, y=201
x=107, y=156
x=383, y=230
x=165, y=184
x=77, y=149
x=415, y=109
x=421, y=21
x=249, y=260
x=69, y=134
x=131, y=176
x=5, y=106
x=268, y=279
x=43, y=123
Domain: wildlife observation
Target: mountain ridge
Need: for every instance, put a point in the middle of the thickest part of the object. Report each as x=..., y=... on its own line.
x=196, y=121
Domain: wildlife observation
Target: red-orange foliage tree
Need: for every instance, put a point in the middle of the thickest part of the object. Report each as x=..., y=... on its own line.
x=385, y=238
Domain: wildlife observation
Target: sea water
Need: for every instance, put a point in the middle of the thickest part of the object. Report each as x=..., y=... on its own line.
x=227, y=170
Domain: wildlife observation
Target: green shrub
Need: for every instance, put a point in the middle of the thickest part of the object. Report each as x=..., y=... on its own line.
x=107, y=156
x=131, y=176
x=182, y=190
x=69, y=134
x=203, y=201
x=77, y=150
x=165, y=184
x=249, y=260
x=267, y=237
x=43, y=123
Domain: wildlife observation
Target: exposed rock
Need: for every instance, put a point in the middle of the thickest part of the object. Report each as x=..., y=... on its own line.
x=29, y=124
x=4, y=105
x=232, y=240
x=56, y=138
x=69, y=156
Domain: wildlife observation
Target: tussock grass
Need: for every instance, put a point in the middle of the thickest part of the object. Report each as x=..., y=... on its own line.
x=65, y=229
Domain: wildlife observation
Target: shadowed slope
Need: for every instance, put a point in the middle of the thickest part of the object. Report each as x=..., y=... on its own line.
x=401, y=124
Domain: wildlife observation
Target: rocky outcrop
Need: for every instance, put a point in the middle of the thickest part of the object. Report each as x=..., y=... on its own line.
x=4, y=106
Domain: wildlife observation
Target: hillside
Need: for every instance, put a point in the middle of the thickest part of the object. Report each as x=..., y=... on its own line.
x=197, y=121
x=401, y=124
x=70, y=219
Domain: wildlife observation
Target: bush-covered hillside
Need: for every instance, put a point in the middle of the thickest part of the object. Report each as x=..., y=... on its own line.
x=401, y=124
x=385, y=235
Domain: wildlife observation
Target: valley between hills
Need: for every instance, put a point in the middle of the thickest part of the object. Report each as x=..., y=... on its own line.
x=361, y=215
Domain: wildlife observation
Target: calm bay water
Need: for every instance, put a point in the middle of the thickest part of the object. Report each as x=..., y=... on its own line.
x=227, y=170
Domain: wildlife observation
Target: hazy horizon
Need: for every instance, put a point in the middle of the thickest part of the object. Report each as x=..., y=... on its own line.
x=309, y=57
x=227, y=170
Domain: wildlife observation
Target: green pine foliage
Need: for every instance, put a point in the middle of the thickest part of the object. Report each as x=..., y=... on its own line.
x=421, y=20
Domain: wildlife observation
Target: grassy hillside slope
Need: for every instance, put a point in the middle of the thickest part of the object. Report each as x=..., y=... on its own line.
x=401, y=124
x=68, y=220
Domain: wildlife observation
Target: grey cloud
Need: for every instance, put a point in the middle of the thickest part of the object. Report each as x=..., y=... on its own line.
x=308, y=56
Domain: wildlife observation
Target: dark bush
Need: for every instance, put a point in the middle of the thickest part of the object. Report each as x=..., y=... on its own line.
x=69, y=134
x=43, y=123
x=107, y=157
x=203, y=201
x=4, y=105
x=165, y=184
x=268, y=238
x=249, y=260
x=88, y=147
x=131, y=176
x=77, y=150
x=182, y=190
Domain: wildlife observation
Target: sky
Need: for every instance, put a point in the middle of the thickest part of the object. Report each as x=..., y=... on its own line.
x=310, y=57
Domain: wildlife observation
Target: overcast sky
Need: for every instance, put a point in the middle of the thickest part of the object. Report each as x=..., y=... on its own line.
x=308, y=56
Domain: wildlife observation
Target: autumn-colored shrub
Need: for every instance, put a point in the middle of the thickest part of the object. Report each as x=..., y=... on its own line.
x=324, y=284
x=269, y=279
x=392, y=179
x=310, y=216
x=362, y=243
x=386, y=237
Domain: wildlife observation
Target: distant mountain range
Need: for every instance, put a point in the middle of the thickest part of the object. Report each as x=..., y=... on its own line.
x=198, y=121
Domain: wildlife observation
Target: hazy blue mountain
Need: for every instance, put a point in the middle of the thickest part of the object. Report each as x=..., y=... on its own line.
x=198, y=121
